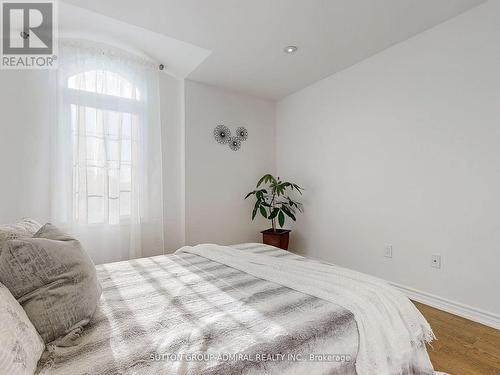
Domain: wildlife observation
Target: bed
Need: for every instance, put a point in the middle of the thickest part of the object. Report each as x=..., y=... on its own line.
x=186, y=314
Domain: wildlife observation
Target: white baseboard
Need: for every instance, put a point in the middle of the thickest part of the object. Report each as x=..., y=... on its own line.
x=477, y=315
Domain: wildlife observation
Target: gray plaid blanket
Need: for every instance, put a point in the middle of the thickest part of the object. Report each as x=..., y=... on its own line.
x=184, y=314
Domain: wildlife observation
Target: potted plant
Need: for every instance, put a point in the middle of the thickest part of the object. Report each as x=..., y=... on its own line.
x=274, y=203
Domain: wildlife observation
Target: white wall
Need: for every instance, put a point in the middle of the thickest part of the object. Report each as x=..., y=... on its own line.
x=218, y=178
x=404, y=149
x=24, y=145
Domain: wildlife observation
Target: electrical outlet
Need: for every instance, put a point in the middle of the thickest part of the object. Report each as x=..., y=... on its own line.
x=388, y=251
x=436, y=261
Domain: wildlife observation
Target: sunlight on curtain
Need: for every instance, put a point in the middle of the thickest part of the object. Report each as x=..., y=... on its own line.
x=107, y=163
x=106, y=143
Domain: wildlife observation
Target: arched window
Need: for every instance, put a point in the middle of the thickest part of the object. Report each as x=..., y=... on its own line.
x=104, y=83
x=104, y=115
x=106, y=162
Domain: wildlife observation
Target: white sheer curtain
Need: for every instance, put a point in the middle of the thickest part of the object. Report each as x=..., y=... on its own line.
x=107, y=172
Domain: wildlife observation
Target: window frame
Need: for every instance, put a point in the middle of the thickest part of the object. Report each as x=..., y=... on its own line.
x=103, y=102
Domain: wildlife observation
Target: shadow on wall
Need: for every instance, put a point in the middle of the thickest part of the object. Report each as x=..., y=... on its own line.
x=298, y=243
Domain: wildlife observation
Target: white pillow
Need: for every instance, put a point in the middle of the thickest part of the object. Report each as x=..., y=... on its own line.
x=20, y=344
x=25, y=228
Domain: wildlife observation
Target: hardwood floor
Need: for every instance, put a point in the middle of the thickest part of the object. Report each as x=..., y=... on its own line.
x=462, y=347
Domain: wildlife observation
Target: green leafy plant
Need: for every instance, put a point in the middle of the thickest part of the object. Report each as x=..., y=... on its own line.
x=273, y=201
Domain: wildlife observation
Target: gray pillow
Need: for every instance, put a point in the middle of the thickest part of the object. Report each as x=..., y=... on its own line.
x=25, y=228
x=54, y=280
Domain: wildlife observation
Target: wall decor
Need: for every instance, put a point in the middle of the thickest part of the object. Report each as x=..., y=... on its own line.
x=234, y=143
x=242, y=133
x=222, y=134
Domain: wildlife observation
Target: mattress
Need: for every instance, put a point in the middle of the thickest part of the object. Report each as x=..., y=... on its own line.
x=185, y=314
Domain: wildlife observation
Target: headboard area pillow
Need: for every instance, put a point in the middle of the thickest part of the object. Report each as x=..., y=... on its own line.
x=25, y=228
x=20, y=344
x=54, y=280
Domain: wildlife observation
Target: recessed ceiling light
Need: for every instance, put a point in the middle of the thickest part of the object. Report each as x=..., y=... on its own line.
x=290, y=49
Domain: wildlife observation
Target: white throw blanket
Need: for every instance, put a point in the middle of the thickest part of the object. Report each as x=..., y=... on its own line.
x=392, y=332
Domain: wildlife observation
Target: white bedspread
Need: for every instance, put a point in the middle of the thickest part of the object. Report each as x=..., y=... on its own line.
x=392, y=332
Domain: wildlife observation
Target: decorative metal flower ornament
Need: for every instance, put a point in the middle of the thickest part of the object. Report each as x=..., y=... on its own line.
x=242, y=133
x=222, y=134
x=234, y=143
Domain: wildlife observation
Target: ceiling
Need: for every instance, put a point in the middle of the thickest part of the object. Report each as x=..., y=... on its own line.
x=180, y=58
x=247, y=37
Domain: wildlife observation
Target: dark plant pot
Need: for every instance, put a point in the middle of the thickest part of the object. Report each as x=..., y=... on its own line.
x=278, y=238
